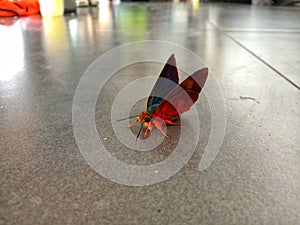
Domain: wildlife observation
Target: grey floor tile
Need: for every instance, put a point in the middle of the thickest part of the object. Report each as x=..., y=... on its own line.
x=279, y=50
x=44, y=179
x=245, y=17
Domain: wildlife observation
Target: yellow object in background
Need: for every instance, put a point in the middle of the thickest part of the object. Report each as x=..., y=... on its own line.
x=51, y=8
x=196, y=4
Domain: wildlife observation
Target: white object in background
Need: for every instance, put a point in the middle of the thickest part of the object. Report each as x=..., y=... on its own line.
x=262, y=2
x=82, y=2
x=51, y=8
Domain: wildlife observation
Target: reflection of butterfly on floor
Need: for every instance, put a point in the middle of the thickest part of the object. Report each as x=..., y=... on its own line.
x=169, y=99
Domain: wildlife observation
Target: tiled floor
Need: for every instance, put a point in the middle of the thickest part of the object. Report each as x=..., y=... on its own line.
x=253, y=52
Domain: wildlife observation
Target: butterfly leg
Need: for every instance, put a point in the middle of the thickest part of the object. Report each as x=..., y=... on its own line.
x=146, y=132
x=175, y=121
x=149, y=126
x=134, y=122
x=170, y=122
x=158, y=124
x=164, y=133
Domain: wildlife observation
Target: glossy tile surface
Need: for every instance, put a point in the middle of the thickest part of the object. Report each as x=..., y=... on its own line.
x=245, y=17
x=277, y=49
x=255, y=178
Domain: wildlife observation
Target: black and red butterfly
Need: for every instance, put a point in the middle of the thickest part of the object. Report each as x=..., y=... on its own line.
x=168, y=99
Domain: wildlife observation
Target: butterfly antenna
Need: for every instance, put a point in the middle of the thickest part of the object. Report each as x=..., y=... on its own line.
x=128, y=118
x=139, y=133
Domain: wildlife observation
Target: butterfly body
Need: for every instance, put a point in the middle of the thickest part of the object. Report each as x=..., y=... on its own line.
x=168, y=99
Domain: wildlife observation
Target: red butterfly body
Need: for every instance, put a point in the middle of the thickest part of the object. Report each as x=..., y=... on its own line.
x=169, y=99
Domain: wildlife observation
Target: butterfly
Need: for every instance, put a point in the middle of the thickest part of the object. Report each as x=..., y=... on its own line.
x=169, y=99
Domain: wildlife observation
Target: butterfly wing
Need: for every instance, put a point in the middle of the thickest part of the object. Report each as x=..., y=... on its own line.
x=182, y=97
x=162, y=87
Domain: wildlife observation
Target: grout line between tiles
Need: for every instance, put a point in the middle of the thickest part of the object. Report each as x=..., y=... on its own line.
x=256, y=56
x=265, y=62
x=259, y=30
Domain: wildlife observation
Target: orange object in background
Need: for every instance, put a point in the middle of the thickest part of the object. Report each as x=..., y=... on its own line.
x=19, y=7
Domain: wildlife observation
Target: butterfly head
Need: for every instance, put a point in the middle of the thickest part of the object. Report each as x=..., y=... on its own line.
x=144, y=117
